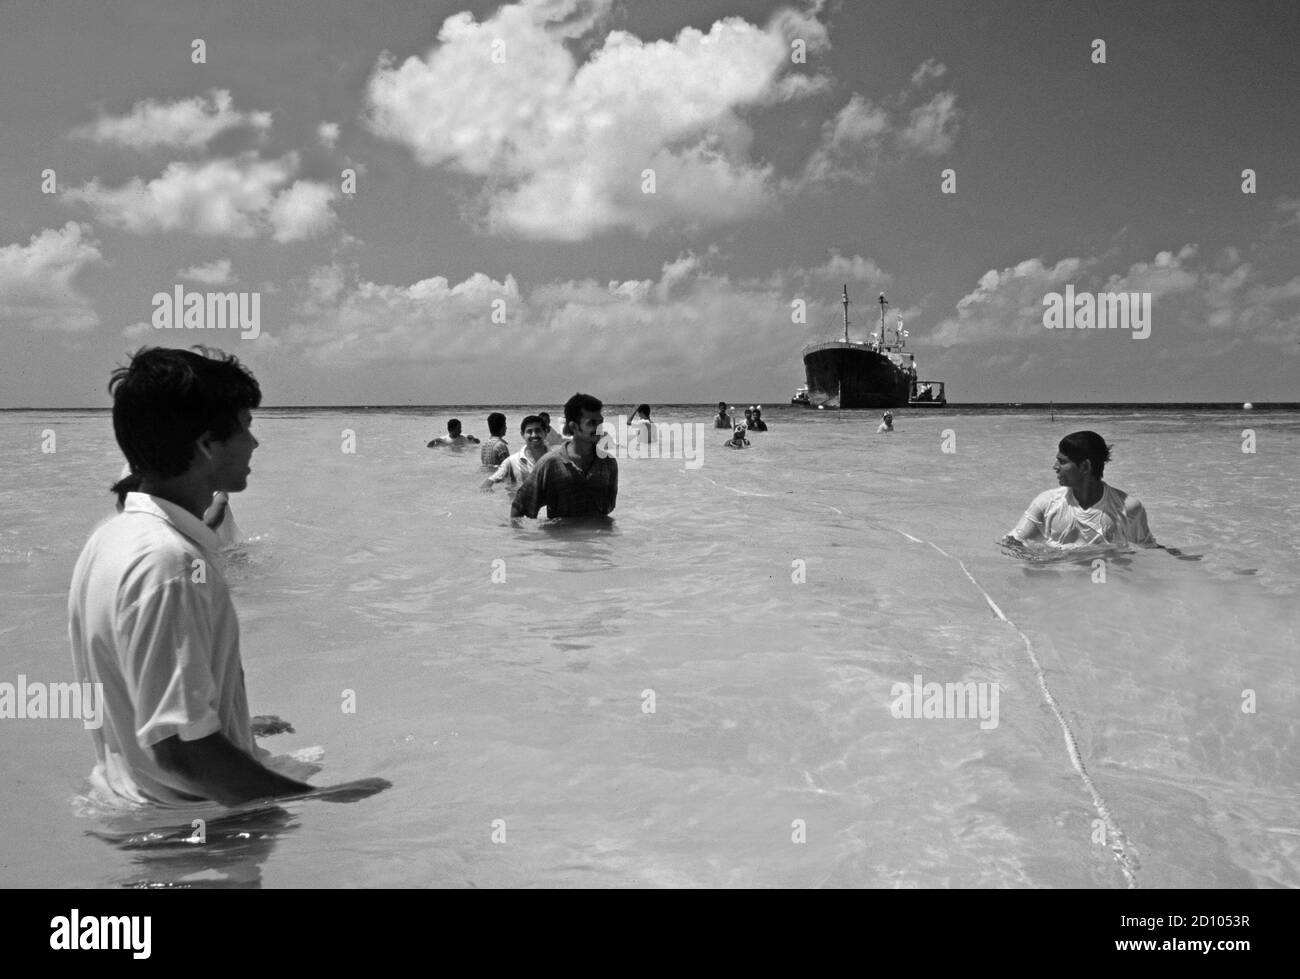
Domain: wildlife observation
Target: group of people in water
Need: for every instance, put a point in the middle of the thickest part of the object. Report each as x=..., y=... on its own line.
x=150, y=614
x=560, y=471
x=740, y=430
x=583, y=482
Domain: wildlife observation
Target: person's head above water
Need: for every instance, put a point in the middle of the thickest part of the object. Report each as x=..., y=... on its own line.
x=1081, y=454
x=545, y=416
x=170, y=405
x=722, y=407
x=496, y=424
x=582, y=413
x=643, y=411
x=453, y=428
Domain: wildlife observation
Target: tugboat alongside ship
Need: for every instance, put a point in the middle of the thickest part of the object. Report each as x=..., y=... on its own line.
x=870, y=373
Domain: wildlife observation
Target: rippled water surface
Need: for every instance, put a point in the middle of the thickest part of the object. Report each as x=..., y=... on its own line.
x=528, y=700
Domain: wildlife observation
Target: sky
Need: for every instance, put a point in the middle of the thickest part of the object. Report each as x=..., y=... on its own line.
x=650, y=200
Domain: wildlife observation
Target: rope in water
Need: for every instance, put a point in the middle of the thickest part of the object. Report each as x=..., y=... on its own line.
x=1115, y=838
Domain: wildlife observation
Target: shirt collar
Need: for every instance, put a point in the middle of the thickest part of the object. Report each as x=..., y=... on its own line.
x=563, y=450
x=184, y=521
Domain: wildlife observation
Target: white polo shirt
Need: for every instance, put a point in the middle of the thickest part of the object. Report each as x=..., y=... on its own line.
x=150, y=617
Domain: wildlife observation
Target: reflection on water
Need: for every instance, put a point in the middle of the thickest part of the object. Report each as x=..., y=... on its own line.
x=220, y=851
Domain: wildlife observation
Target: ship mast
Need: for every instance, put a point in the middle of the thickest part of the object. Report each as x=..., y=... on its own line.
x=846, y=313
x=883, y=304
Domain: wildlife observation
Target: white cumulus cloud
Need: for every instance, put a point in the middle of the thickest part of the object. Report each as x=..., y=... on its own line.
x=187, y=123
x=36, y=279
x=688, y=326
x=328, y=134
x=240, y=197
x=213, y=273
x=562, y=148
x=932, y=128
x=1226, y=300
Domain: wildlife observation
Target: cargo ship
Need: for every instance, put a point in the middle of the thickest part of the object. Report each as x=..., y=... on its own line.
x=871, y=373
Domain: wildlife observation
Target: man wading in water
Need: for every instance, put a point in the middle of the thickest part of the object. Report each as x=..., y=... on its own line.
x=573, y=480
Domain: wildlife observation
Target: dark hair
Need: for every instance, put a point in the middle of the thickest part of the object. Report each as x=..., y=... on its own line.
x=643, y=410
x=453, y=426
x=545, y=416
x=129, y=483
x=530, y=420
x=722, y=405
x=166, y=399
x=496, y=423
x=1078, y=446
x=749, y=411
x=575, y=406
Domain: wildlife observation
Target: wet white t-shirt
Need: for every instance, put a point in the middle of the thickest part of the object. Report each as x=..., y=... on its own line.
x=150, y=618
x=1057, y=516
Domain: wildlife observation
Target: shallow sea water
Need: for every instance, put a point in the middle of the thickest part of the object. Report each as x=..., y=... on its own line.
x=521, y=707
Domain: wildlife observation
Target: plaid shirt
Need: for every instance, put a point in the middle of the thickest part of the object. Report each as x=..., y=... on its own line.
x=493, y=453
x=565, y=490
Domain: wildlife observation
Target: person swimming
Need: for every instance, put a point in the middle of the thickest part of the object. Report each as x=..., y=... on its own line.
x=453, y=439
x=886, y=423
x=1083, y=509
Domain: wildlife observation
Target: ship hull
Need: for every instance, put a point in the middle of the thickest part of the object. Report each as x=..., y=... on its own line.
x=848, y=376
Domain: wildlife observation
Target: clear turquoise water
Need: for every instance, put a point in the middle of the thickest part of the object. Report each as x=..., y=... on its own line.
x=522, y=700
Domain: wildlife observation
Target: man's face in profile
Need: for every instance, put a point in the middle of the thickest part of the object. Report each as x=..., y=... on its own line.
x=588, y=427
x=232, y=458
x=1070, y=473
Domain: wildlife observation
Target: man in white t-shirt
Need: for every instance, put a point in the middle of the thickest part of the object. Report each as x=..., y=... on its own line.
x=149, y=614
x=1083, y=509
x=514, y=469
